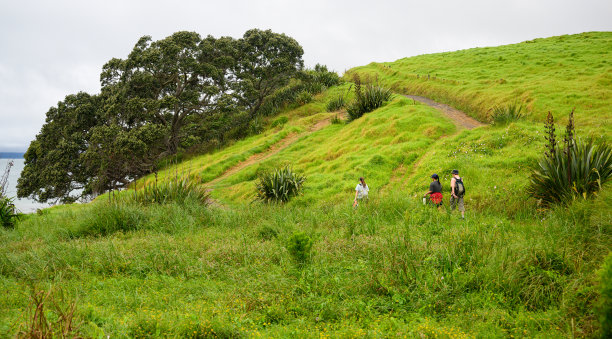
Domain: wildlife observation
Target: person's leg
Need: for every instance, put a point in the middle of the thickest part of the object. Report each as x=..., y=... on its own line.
x=452, y=203
x=461, y=207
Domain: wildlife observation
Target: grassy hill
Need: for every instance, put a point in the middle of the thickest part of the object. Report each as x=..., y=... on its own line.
x=553, y=74
x=393, y=268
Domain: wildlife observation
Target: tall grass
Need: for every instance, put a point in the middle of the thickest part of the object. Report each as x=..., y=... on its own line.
x=178, y=190
x=505, y=114
x=395, y=258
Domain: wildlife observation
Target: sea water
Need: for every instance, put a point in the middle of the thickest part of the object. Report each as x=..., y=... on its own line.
x=24, y=205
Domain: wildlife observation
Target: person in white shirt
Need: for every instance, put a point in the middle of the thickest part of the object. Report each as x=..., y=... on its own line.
x=361, y=191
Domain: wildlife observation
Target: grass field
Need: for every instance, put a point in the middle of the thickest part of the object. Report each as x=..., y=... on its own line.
x=392, y=268
x=553, y=74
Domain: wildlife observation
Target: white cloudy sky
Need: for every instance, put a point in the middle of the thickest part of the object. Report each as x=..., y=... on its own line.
x=49, y=49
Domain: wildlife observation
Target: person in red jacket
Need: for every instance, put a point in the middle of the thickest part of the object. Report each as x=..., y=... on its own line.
x=435, y=191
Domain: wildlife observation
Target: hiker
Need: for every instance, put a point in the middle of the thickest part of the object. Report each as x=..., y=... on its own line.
x=361, y=192
x=457, y=193
x=435, y=191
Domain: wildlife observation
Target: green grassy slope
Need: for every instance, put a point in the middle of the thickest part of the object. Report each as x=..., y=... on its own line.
x=393, y=268
x=553, y=74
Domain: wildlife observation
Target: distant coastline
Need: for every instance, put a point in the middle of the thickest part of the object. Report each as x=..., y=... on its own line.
x=11, y=155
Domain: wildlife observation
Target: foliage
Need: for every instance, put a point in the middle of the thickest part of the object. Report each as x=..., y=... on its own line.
x=580, y=173
x=299, y=247
x=505, y=114
x=336, y=103
x=323, y=76
x=303, y=98
x=179, y=190
x=166, y=96
x=54, y=166
x=299, y=91
x=167, y=81
x=367, y=100
x=280, y=121
x=279, y=185
x=8, y=213
x=604, y=307
x=266, y=63
x=112, y=218
x=267, y=233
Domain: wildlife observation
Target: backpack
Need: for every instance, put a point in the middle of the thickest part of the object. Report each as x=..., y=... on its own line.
x=459, y=187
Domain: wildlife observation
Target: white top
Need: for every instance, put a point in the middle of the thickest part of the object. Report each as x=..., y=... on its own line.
x=362, y=191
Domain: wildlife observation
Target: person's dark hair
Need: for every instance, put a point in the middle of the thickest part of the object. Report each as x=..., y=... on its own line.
x=455, y=172
x=362, y=180
x=435, y=176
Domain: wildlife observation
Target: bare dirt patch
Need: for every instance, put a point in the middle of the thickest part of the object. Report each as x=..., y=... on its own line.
x=458, y=117
x=274, y=149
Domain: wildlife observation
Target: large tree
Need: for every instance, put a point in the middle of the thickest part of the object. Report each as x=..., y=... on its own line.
x=265, y=62
x=166, y=95
x=167, y=81
x=53, y=163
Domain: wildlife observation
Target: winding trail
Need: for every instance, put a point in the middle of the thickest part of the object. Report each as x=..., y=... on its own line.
x=458, y=117
x=274, y=149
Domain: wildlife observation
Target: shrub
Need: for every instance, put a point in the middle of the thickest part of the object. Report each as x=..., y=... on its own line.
x=505, y=114
x=280, y=185
x=370, y=99
x=336, y=120
x=605, y=301
x=267, y=233
x=303, y=98
x=280, y=121
x=8, y=212
x=299, y=246
x=256, y=126
x=325, y=77
x=179, y=190
x=336, y=103
x=562, y=178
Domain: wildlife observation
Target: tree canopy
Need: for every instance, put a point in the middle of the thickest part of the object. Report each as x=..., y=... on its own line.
x=166, y=96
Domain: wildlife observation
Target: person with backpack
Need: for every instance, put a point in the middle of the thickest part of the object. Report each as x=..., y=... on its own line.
x=435, y=191
x=457, y=193
x=361, y=192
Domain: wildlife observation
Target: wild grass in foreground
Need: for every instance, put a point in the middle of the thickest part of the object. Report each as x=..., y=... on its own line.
x=391, y=268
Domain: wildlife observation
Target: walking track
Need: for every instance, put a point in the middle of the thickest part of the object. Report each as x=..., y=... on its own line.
x=459, y=118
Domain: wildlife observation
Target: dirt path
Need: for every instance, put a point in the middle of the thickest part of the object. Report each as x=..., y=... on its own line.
x=274, y=149
x=404, y=174
x=458, y=117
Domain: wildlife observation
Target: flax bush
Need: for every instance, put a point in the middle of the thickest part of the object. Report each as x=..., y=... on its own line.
x=280, y=185
x=8, y=213
x=368, y=100
x=336, y=103
x=581, y=174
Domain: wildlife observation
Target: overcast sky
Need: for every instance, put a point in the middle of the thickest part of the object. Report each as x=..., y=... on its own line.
x=49, y=49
